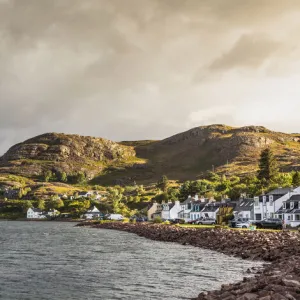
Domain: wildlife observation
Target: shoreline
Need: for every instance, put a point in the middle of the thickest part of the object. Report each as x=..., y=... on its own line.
x=41, y=220
x=278, y=280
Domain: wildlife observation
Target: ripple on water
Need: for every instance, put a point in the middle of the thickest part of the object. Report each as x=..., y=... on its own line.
x=47, y=260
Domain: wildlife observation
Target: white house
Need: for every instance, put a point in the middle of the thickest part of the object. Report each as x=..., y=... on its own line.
x=187, y=207
x=290, y=211
x=197, y=207
x=210, y=210
x=92, y=213
x=266, y=206
x=35, y=213
x=171, y=210
x=244, y=209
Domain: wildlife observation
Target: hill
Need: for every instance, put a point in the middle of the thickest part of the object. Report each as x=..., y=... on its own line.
x=184, y=156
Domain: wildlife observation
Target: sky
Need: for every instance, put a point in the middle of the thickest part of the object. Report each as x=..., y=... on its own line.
x=146, y=69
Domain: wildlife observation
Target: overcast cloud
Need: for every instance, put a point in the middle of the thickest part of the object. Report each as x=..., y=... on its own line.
x=146, y=69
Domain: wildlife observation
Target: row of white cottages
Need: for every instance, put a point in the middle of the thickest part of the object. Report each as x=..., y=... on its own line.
x=191, y=209
x=36, y=213
x=282, y=203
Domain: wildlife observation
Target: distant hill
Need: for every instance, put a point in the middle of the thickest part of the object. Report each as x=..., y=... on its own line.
x=187, y=155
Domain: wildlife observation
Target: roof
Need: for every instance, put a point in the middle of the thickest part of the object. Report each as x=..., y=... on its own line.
x=82, y=193
x=280, y=191
x=294, y=198
x=37, y=210
x=199, y=204
x=211, y=207
x=188, y=200
x=245, y=205
x=169, y=205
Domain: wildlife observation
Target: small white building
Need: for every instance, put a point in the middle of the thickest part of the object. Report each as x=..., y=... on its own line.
x=92, y=213
x=210, y=210
x=187, y=207
x=197, y=208
x=290, y=211
x=35, y=213
x=244, y=209
x=171, y=210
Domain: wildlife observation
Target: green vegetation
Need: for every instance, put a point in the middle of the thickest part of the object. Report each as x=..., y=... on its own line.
x=268, y=166
x=163, y=183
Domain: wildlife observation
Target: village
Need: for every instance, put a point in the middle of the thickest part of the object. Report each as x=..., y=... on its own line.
x=281, y=204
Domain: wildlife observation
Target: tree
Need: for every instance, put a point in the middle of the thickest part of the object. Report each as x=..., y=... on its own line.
x=80, y=178
x=63, y=177
x=48, y=176
x=268, y=168
x=41, y=204
x=163, y=183
x=55, y=203
x=26, y=205
x=296, y=179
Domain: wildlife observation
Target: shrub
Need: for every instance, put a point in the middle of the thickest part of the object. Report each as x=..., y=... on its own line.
x=157, y=220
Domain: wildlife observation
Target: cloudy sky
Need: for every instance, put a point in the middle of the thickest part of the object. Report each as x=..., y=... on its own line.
x=147, y=69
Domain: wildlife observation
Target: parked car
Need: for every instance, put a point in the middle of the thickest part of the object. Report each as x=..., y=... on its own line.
x=206, y=221
x=115, y=217
x=177, y=221
x=240, y=223
x=193, y=221
x=269, y=224
x=139, y=218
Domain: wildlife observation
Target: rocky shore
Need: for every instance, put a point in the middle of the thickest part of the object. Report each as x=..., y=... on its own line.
x=279, y=280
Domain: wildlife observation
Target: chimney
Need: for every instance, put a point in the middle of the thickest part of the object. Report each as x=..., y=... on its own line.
x=177, y=203
x=196, y=197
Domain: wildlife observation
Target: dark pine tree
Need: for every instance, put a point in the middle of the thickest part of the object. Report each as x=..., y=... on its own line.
x=296, y=179
x=163, y=183
x=268, y=168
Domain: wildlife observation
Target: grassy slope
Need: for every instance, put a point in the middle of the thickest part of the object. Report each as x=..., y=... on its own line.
x=184, y=156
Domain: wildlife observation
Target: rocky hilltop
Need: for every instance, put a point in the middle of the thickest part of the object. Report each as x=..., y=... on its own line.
x=61, y=152
x=186, y=155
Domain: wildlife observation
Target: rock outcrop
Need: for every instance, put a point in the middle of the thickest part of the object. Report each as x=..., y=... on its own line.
x=69, y=153
x=280, y=279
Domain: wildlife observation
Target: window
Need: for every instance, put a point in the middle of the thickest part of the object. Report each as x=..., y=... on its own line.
x=297, y=217
x=292, y=205
x=289, y=218
x=271, y=200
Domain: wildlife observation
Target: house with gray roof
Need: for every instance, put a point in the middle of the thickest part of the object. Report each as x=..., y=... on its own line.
x=266, y=205
x=210, y=210
x=244, y=209
x=171, y=210
x=290, y=211
x=197, y=208
x=35, y=213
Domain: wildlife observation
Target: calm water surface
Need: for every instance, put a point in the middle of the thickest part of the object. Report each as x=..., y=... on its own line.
x=48, y=260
